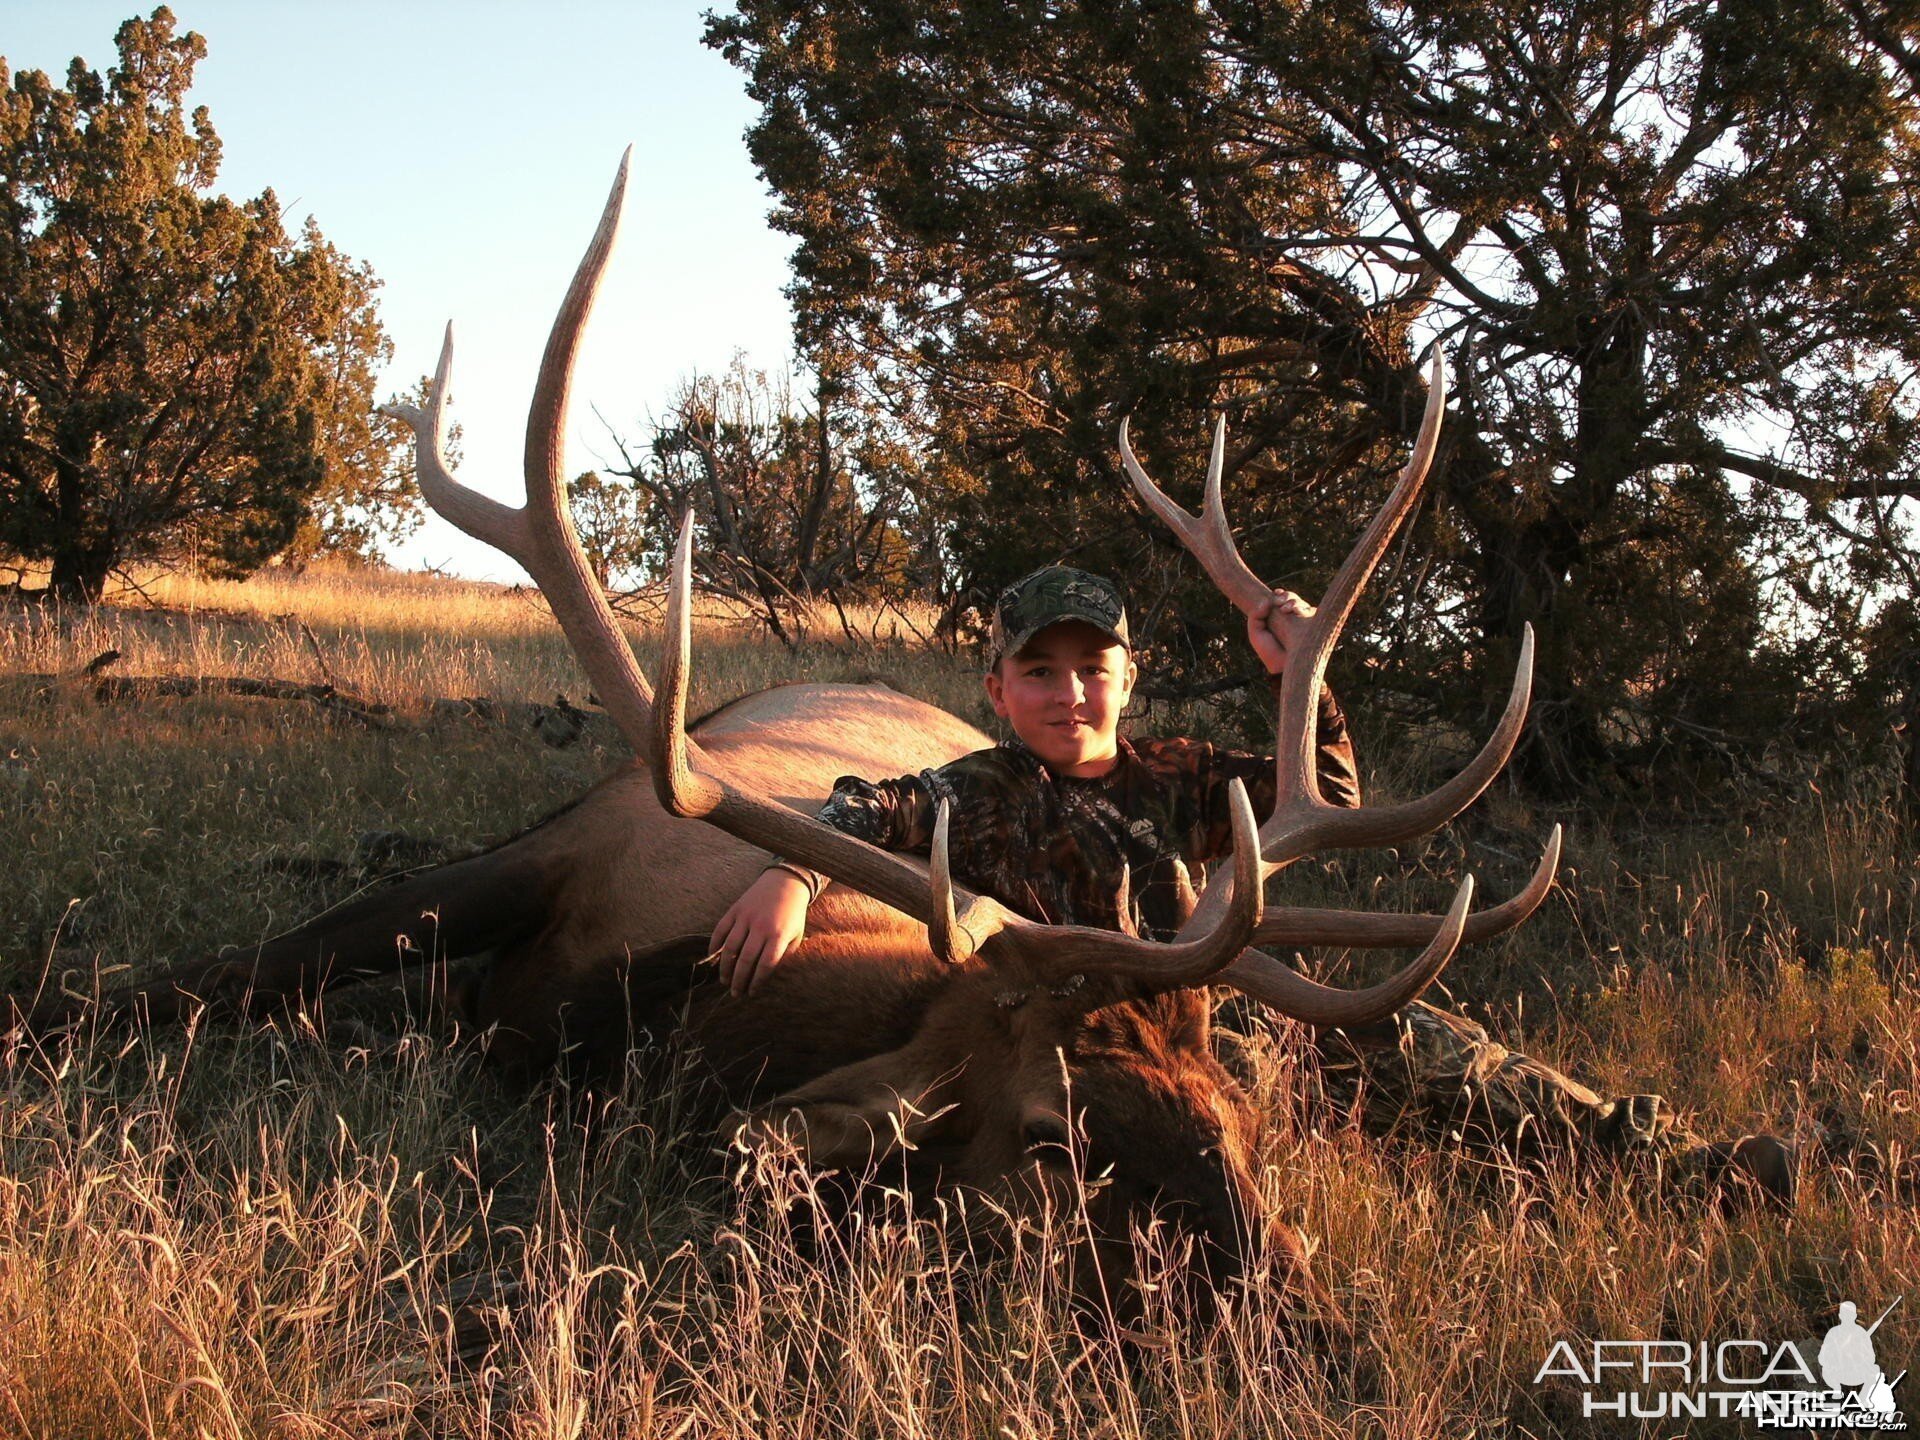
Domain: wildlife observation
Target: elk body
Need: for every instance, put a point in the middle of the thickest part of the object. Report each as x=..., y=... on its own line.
x=916, y=1015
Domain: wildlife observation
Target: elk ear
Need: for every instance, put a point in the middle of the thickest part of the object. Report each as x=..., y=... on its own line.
x=860, y=1114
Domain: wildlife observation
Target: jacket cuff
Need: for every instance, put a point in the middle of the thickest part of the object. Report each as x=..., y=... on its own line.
x=812, y=879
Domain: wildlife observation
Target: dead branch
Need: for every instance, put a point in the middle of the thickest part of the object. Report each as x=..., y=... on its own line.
x=558, y=725
x=294, y=622
x=108, y=688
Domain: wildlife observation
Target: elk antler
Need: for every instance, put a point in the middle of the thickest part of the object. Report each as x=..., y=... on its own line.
x=1077, y=948
x=542, y=538
x=1302, y=820
x=540, y=534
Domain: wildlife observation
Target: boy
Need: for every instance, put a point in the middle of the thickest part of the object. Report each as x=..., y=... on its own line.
x=1054, y=820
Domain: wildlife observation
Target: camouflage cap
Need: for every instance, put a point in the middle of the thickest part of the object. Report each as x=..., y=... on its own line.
x=1048, y=596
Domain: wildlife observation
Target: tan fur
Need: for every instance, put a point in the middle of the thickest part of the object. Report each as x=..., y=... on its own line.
x=790, y=743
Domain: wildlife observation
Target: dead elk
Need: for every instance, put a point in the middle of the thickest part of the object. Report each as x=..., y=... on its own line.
x=917, y=1015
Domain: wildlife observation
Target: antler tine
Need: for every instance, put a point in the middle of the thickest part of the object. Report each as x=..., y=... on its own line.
x=1213, y=507
x=1293, y=926
x=1207, y=535
x=1358, y=568
x=683, y=791
x=502, y=526
x=1266, y=979
x=1392, y=824
x=1080, y=949
x=943, y=930
x=954, y=940
x=558, y=563
x=1297, y=774
x=545, y=456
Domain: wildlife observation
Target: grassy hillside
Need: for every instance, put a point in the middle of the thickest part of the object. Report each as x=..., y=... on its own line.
x=241, y=1232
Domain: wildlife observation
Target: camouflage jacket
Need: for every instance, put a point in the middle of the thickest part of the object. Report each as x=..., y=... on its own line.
x=1066, y=850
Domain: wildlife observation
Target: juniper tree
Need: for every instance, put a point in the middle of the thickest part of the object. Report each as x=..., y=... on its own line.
x=176, y=370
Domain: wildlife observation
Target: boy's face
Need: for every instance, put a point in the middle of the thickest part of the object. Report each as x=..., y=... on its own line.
x=1063, y=692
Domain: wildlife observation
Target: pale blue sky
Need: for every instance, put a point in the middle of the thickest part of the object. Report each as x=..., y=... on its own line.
x=465, y=150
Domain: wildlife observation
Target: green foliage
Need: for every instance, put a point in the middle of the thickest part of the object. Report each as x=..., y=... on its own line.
x=178, y=374
x=368, y=500
x=611, y=520
x=1670, y=245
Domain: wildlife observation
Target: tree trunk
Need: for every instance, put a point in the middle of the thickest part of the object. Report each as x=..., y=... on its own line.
x=1524, y=571
x=1530, y=568
x=813, y=513
x=84, y=550
x=1906, y=726
x=1524, y=578
x=80, y=574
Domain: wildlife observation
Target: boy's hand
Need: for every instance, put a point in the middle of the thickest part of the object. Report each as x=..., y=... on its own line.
x=1279, y=626
x=761, y=929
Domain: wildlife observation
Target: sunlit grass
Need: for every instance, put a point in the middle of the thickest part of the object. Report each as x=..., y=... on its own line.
x=403, y=639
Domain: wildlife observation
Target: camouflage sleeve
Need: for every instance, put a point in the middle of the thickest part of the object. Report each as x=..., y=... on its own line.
x=1211, y=833
x=1334, y=759
x=893, y=814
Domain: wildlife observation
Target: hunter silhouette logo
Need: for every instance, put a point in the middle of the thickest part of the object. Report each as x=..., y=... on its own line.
x=1847, y=1361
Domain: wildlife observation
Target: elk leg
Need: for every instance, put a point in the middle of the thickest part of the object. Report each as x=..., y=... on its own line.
x=459, y=909
x=534, y=1010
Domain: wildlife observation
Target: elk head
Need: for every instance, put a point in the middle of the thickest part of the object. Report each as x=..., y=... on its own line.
x=1047, y=1040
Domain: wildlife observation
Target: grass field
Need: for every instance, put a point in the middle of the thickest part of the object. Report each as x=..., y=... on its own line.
x=233, y=1232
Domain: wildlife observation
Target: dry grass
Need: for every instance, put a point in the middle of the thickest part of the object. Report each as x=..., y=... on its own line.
x=263, y=1233
x=403, y=639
